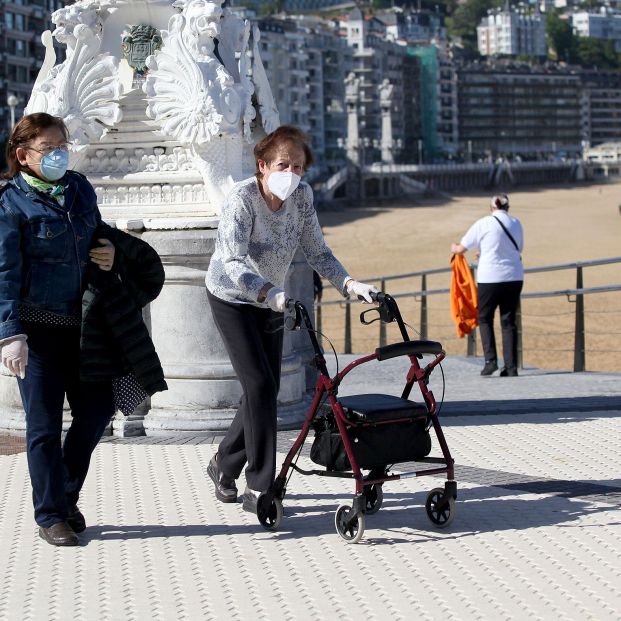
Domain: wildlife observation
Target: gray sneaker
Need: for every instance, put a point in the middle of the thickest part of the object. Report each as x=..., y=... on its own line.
x=249, y=499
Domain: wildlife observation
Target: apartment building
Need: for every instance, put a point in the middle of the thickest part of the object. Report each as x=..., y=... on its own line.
x=519, y=109
x=414, y=27
x=21, y=51
x=605, y=25
x=329, y=59
x=512, y=32
x=601, y=107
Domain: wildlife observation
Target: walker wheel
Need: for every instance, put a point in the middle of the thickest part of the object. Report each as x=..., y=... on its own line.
x=440, y=510
x=374, y=495
x=350, y=527
x=270, y=515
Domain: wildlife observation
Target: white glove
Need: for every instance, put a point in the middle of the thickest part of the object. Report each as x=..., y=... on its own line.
x=276, y=299
x=15, y=356
x=357, y=289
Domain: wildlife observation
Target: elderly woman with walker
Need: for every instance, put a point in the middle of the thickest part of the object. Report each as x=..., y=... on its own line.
x=264, y=220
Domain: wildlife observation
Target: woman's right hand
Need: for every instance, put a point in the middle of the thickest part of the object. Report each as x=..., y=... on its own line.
x=15, y=357
x=276, y=300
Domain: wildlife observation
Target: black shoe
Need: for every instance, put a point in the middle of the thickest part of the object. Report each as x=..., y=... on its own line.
x=59, y=534
x=226, y=490
x=76, y=520
x=509, y=372
x=489, y=368
x=249, y=499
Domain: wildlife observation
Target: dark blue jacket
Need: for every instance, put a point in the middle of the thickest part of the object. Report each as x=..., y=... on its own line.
x=44, y=248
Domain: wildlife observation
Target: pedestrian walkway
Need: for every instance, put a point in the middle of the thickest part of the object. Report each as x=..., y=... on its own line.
x=536, y=533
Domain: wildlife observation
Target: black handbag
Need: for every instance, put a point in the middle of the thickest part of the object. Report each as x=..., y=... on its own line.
x=374, y=445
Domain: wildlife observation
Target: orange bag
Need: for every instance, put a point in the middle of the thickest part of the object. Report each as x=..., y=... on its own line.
x=464, y=298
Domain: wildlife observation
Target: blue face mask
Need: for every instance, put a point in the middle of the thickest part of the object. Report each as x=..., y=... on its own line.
x=54, y=164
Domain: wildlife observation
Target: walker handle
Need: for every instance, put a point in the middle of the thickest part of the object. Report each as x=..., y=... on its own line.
x=378, y=297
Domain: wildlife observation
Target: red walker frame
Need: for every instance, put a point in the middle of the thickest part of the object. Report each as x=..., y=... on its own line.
x=350, y=521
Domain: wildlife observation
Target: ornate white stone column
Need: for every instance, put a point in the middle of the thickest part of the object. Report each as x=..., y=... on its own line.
x=163, y=127
x=387, y=145
x=352, y=96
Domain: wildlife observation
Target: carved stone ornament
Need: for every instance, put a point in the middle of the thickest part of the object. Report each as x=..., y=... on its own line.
x=352, y=88
x=84, y=90
x=141, y=42
x=386, y=92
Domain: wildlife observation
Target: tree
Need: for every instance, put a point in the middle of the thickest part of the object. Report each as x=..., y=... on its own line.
x=270, y=8
x=561, y=40
x=596, y=53
x=466, y=17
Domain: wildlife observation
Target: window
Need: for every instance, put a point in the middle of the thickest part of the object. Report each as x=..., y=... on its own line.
x=17, y=47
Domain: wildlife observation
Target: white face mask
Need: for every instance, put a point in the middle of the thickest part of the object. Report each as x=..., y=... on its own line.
x=283, y=184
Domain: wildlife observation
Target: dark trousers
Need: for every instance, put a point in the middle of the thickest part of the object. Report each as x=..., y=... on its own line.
x=506, y=296
x=57, y=469
x=253, y=339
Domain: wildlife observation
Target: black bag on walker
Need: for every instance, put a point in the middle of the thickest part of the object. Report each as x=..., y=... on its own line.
x=374, y=444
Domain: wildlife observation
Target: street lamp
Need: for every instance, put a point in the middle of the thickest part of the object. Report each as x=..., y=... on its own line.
x=12, y=102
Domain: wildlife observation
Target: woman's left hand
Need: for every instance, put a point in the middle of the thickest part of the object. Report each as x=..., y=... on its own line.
x=103, y=255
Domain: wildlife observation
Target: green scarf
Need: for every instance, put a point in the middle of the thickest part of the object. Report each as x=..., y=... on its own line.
x=55, y=190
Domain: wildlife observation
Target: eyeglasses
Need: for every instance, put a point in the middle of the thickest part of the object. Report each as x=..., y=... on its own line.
x=49, y=148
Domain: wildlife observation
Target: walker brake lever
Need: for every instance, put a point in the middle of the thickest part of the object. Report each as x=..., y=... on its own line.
x=369, y=322
x=293, y=319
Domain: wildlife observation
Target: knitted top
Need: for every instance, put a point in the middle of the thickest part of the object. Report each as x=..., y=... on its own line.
x=256, y=245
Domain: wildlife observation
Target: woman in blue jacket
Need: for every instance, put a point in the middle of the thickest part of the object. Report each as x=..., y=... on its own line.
x=48, y=216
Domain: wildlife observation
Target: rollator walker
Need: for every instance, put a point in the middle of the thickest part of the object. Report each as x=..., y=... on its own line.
x=371, y=432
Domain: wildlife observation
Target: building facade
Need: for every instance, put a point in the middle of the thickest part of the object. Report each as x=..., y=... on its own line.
x=605, y=26
x=512, y=33
x=601, y=107
x=414, y=27
x=519, y=109
x=21, y=51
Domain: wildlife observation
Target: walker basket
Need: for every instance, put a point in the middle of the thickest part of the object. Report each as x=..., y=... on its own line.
x=383, y=430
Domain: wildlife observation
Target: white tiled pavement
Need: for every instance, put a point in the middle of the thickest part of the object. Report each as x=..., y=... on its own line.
x=537, y=531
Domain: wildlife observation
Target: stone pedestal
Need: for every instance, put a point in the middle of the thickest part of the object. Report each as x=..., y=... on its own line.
x=163, y=127
x=12, y=418
x=11, y=411
x=203, y=391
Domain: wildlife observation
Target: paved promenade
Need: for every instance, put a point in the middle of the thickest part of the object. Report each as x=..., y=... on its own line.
x=537, y=531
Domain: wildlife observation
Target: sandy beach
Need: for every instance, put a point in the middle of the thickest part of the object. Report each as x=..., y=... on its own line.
x=562, y=224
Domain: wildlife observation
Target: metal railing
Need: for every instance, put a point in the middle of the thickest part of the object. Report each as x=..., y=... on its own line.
x=423, y=294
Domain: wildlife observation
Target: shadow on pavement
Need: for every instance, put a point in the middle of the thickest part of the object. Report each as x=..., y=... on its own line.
x=610, y=405
x=478, y=510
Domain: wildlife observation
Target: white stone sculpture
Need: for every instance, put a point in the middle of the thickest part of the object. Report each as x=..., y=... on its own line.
x=385, y=91
x=84, y=90
x=198, y=101
x=352, y=87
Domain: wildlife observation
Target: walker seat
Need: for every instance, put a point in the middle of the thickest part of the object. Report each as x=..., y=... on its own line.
x=375, y=408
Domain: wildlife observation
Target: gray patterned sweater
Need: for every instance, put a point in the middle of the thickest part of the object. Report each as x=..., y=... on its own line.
x=256, y=245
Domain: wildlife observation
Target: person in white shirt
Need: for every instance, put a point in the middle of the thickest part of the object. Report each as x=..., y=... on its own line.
x=264, y=220
x=500, y=276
